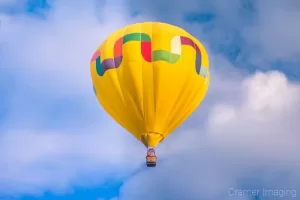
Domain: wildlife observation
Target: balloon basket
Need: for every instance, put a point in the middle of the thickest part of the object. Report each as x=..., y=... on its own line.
x=151, y=161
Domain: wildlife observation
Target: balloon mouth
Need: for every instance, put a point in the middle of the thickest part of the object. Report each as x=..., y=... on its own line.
x=151, y=157
x=151, y=139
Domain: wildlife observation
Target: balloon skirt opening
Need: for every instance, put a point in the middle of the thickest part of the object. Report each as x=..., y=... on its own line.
x=151, y=161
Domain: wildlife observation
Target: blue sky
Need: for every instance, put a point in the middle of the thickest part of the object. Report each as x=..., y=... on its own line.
x=56, y=142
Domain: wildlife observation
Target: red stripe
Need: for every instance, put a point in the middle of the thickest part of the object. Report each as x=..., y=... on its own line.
x=96, y=55
x=146, y=49
x=190, y=42
x=118, y=47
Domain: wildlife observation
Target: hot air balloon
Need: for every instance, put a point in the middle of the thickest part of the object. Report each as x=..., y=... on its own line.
x=149, y=77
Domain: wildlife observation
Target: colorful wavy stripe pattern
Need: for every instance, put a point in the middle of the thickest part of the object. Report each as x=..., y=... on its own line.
x=148, y=54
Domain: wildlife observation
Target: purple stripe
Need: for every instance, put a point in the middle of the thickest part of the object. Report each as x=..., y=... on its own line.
x=111, y=63
x=118, y=61
x=108, y=64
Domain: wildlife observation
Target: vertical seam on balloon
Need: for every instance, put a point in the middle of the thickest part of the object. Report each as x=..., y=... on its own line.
x=182, y=92
x=186, y=80
x=185, y=107
x=130, y=98
x=142, y=74
x=118, y=78
x=153, y=76
x=179, y=96
x=136, y=37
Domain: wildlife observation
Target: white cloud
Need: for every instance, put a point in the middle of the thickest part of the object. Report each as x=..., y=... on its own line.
x=7, y=2
x=60, y=47
x=250, y=139
x=49, y=59
x=32, y=162
x=276, y=32
x=248, y=124
x=259, y=132
x=268, y=112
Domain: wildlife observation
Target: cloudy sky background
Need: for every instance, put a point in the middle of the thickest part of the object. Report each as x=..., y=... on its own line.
x=56, y=142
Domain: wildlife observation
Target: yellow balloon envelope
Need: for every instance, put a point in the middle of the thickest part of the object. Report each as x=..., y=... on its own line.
x=150, y=77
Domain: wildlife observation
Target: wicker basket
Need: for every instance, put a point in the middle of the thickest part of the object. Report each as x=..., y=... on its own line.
x=151, y=161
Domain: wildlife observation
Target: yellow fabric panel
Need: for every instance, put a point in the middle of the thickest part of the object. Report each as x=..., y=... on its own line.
x=150, y=99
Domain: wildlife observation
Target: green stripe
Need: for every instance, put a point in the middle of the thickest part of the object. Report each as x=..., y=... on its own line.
x=145, y=37
x=174, y=58
x=203, y=71
x=165, y=56
x=95, y=91
x=99, y=66
x=142, y=37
